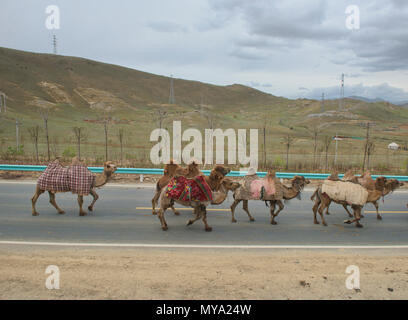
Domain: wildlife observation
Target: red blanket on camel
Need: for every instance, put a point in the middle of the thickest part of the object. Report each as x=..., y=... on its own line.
x=183, y=189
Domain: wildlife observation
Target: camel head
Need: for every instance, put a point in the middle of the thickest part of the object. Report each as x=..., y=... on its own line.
x=222, y=170
x=170, y=168
x=380, y=183
x=109, y=168
x=393, y=184
x=226, y=185
x=299, y=182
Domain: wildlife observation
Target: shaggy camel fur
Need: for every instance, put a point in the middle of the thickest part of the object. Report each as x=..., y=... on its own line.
x=172, y=170
x=217, y=184
x=297, y=185
x=367, y=182
x=100, y=180
x=322, y=201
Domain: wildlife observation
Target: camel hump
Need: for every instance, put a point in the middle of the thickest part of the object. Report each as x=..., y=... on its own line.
x=334, y=177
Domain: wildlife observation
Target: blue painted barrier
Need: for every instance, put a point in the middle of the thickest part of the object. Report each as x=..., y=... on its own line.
x=154, y=171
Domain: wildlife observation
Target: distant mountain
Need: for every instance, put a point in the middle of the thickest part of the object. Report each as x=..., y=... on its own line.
x=367, y=99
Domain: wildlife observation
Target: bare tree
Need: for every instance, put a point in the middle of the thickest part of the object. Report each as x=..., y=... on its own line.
x=121, y=134
x=45, y=114
x=288, y=142
x=326, y=142
x=34, y=133
x=79, y=136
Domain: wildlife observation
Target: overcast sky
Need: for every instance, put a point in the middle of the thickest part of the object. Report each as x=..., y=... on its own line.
x=288, y=48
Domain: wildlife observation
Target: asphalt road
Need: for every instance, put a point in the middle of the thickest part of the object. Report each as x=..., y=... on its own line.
x=116, y=220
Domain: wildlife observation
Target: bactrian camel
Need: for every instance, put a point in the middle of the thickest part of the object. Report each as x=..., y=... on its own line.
x=322, y=201
x=171, y=170
x=297, y=185
x=218, y=184
x=367, y=182
x=100, y=180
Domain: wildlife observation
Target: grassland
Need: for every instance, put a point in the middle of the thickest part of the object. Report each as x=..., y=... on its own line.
x=80, y=93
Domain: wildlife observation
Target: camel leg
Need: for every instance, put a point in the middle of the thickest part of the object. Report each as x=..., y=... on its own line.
x=197, y=213
x=281, y=206
x=245, y=207
x=233, y=206
x=348, y=212
x=357, y=217
x=315, y=207
x=80, y=203
x=164, y=205
x=204, y=215
x=34, y=199
x=54, y=203
x=327, y=211
x=272, y=210
x=154, y=202
x=176, y=212
x=95, y=197
x=321, y=209
x=375, y=203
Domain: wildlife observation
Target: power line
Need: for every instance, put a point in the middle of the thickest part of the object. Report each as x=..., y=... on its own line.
x=341, y=100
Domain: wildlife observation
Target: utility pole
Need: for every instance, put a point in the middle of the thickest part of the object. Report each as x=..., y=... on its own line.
x=54, y=43
x=335, y=153
x=18, y=123
x=171, y=96
x=322, y=104
x=341, y=100
x=366, y=144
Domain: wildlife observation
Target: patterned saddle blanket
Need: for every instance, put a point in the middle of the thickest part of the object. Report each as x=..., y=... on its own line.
x=183, y=189
x=77, y=179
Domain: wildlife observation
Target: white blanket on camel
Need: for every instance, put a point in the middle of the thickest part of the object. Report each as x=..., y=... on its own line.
x=350, y=192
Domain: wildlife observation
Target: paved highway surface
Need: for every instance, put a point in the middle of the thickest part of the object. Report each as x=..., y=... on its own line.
x=117, y=218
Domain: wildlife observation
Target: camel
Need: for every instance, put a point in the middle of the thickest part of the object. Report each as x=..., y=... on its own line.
x=297, y=185
x=171, y=170
x=218, y=184
x=367, y=182
x=322, y=201
x=98, y=181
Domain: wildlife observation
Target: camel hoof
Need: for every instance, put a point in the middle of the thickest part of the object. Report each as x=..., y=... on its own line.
x=83, y=214
x=154, y=212
x=61, y=212
x=164, y=228
x=252, y=219
x=379, y=218
x=325, y=224
x=359, y=225
x=90, y=208
x=208, y=229
x=177, y=213
x=189, y=222
x=361, y=216
x=328, y=213
x=347, y=221
x=35, y=214
x=274, y=222
x=233, y=220
x=316, y=222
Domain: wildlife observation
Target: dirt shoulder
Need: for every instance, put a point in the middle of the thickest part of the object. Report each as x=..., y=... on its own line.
x=200, y=274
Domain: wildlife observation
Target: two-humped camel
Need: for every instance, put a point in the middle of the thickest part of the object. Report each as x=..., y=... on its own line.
x=367, y=182
x=254, y=188
x=323, y=200
x=171, y=170
x=75, y=178
x=218, y=186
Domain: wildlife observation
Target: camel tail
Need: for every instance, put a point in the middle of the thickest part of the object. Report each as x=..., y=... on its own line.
x=314, y=194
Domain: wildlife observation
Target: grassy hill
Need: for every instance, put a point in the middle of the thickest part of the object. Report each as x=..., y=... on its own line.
x=81, y=92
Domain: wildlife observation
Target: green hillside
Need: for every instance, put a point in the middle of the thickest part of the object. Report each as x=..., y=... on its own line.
x=80, y=92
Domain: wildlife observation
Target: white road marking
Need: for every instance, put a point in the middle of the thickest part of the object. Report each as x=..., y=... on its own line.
x=197, y=246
